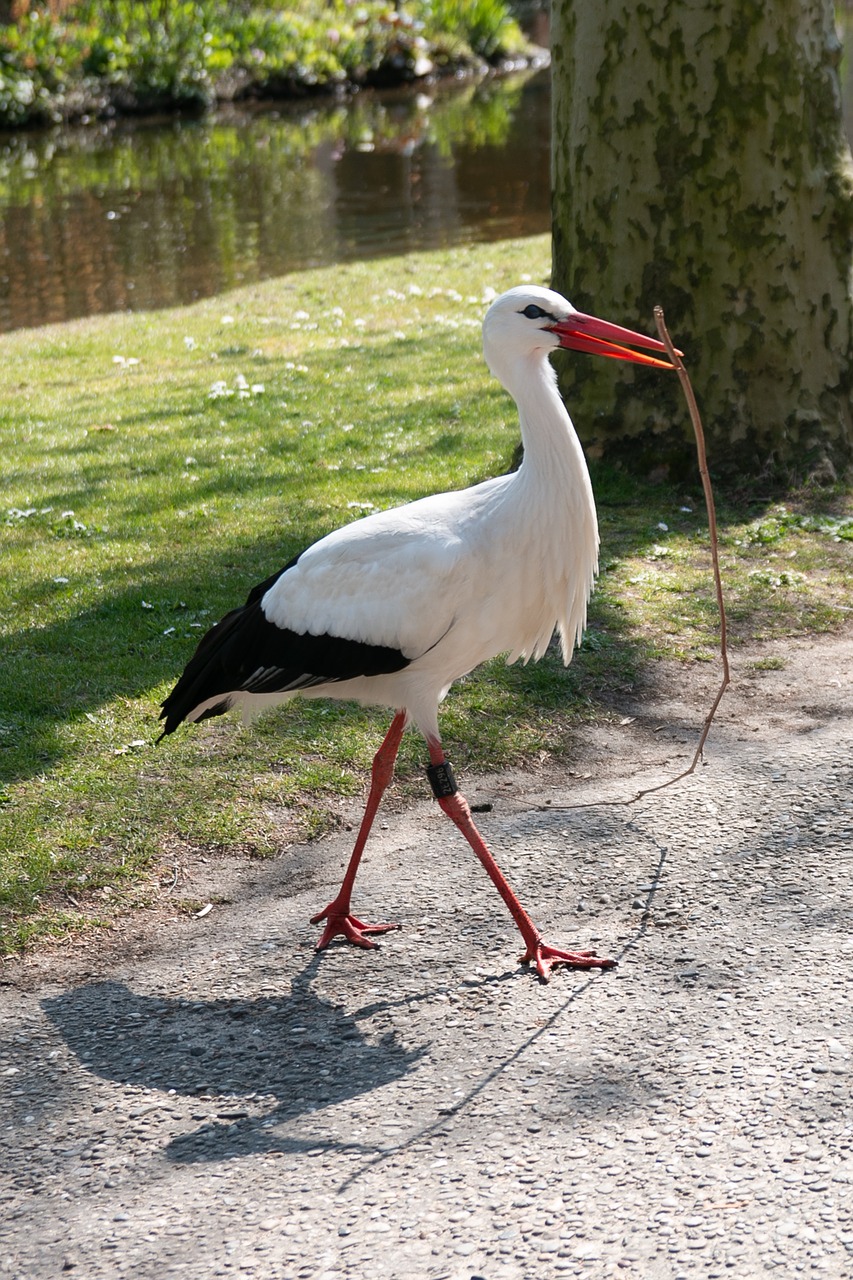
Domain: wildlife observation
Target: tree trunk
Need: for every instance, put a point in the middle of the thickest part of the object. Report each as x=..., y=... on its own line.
x=700, y=162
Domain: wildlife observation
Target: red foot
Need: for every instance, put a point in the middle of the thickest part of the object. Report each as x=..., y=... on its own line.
x=546, y=957
x=343, y=922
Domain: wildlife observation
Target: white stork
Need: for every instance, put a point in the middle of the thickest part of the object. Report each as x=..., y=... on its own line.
x=393, y=608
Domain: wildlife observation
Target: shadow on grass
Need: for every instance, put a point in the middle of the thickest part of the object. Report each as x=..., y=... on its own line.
x=138, y=639
x=148, y=619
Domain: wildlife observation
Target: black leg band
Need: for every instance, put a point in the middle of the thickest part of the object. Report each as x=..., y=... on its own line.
x=442, y=780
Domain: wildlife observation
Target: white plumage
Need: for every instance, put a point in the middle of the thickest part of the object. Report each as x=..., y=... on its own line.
x=393, y=608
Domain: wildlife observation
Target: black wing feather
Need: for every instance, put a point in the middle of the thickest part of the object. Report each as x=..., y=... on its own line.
x=245, y=652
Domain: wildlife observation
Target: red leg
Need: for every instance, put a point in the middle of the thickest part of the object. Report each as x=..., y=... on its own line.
x=337, y=914
x=544, y=956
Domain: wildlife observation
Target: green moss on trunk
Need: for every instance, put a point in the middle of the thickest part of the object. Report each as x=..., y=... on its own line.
x=700, y=163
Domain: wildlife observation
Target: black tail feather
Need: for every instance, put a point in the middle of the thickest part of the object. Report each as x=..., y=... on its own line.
x=246, y=653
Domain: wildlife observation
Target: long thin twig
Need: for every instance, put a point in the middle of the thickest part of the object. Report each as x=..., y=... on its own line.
x=715, y=550
x=699, y=432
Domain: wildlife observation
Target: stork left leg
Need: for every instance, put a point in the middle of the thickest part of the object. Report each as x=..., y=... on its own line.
x=338, y=917
x=540, y=953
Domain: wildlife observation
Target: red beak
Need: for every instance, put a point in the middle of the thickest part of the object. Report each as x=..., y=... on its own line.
x=585, y=333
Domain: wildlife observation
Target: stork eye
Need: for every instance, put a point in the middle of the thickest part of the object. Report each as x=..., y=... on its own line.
x=533, y=312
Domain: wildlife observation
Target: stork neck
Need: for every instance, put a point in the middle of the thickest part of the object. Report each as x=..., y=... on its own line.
x=549, y=438
x=553, y=490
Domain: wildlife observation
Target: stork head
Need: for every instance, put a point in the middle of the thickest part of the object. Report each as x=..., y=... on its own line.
x=529, y=319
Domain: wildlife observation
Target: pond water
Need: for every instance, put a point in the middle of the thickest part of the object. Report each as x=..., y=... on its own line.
x=137, y=216
x=118, y=217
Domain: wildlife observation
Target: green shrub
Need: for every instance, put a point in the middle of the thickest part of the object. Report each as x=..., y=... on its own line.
x=38, y=58
x=486, y=26
x=135, y=55
x=154, y=51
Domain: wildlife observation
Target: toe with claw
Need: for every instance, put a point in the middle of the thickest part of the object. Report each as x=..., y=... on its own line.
x=545, y=957
x=340, y=920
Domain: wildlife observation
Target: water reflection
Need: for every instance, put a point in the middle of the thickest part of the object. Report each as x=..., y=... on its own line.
x=134, y=217
x=111, y=218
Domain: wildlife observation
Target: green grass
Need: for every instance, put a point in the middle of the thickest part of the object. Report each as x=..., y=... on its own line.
x=144, y=494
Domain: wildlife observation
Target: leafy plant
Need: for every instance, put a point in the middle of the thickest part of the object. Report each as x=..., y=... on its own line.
x=486, y=26
x=131, y=55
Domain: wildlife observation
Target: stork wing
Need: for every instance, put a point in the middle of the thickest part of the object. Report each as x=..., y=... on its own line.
x=393, y=584
x=366, y=600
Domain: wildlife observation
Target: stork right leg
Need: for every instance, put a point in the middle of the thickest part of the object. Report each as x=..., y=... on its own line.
x=339, y=919
x=537, y=951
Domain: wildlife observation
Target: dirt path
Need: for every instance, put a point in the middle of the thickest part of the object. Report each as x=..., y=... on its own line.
x=209, y=1098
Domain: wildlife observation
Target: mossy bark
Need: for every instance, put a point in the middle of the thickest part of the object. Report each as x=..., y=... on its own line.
x=700, y=162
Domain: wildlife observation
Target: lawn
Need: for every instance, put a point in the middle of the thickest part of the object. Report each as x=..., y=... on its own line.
x=156, y=466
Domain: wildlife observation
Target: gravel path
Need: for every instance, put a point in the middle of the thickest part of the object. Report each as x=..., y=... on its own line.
x=209, y=1098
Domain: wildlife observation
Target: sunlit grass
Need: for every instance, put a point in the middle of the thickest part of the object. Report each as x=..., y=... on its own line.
x=156, y=466
x=786, y=572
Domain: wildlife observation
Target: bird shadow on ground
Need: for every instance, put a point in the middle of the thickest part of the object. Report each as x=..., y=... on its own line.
x=599, y=1093
x=297, y=1048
